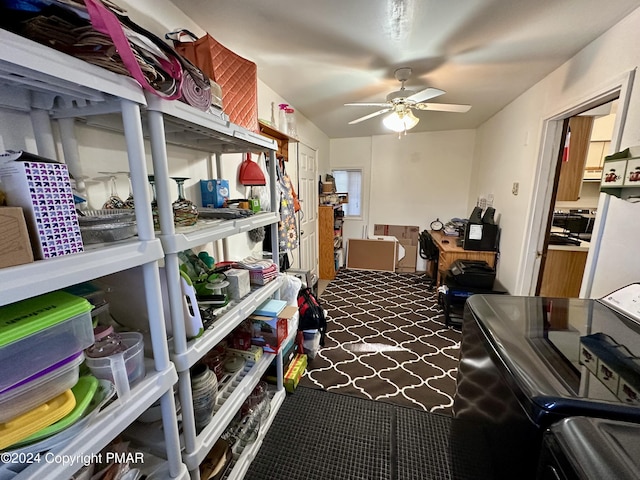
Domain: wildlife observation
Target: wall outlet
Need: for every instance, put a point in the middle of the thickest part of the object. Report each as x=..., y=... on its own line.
x=515, y=188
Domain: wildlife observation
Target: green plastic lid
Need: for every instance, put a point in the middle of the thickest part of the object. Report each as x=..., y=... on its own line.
x=83, y=392
x=24, y=318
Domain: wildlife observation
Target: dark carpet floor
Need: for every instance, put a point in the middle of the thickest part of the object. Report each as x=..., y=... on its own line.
x=387, y=341
x=319, y=435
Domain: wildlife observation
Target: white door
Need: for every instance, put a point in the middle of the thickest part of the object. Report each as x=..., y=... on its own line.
x=308, y=215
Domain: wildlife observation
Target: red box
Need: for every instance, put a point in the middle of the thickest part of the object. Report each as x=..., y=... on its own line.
x=271, y=332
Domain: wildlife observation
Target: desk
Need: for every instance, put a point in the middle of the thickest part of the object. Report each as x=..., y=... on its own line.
x=450, y=252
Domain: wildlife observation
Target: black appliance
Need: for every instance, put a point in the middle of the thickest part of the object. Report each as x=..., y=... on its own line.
x=576, y=223
x=472, y=273
x=582, y=448
x=524, y=366
x=481, y=236
x=456, y=294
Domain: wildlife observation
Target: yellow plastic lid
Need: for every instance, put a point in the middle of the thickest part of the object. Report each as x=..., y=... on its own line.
x=40, y=417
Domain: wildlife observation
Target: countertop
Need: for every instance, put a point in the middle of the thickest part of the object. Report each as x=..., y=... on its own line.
x=583, y=247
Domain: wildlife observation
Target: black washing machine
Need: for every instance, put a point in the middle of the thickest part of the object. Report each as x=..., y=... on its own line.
x=527, y=363
x=583, y=448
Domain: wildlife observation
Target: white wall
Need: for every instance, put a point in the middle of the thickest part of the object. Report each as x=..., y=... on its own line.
x=509, y=145
x=408, y=181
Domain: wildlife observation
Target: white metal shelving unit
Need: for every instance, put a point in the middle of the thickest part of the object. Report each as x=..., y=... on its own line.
x=178, y=124
x=49, y=85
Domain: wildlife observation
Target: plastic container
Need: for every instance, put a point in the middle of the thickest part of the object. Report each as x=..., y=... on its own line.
x=292, y=129
x=36, y=419
x=122, y=368
x=83, y=392
x=105, y=392
x=282, y=118
x=40, y=388
x=107, y=342
x=40, y=332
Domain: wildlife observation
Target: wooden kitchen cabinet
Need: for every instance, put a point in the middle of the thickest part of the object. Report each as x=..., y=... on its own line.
x=595, y=160
x=572, y=171
x=329, y=239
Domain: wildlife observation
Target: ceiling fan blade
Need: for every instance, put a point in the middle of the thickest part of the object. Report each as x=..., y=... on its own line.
x=426, y=94
x=371, y=115
x=443, y=107
x=365, y=104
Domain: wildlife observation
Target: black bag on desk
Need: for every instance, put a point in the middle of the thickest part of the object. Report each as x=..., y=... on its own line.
x=473, y=273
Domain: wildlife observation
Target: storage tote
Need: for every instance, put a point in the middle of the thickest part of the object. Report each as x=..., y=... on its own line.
x=38, y=332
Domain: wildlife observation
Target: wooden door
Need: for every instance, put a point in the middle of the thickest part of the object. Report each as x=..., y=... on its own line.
x=572, y=169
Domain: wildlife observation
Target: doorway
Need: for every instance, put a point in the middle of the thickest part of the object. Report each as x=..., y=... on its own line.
x=586, y=140
x=543, y=197
x=308, y=215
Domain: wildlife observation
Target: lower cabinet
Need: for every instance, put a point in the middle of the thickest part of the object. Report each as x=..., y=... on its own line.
x=563, y=271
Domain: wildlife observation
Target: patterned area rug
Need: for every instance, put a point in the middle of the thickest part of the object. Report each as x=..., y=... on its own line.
x=386, y=340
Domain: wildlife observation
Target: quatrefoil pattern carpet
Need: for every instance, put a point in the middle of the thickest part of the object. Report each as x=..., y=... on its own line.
x=386, y=341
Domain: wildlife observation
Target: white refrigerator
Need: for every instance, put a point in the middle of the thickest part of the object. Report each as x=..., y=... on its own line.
x=613, y=260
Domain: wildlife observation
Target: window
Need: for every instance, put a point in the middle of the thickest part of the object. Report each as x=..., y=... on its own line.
x=350, y=181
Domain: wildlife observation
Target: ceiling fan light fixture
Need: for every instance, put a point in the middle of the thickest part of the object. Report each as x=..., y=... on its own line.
x=400, y=121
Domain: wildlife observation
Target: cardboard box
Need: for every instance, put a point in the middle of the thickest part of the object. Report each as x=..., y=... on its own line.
x=15, y=246
x=328, y=187
x=294, y=372
x=214, y=192
x=253, y=354
x=371, y=255
x=239, y=283
x=407, y=264
x=289, y=351
x=43, y=189
x=407, y=250
x=407, y=235
x=270, y=332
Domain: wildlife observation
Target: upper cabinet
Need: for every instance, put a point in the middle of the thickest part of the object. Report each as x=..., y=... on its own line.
x=599, y=146
x=595, y=159
x=282, y=139
x=572, y=170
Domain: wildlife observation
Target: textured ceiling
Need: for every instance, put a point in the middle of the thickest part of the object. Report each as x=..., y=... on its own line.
x=319, y=55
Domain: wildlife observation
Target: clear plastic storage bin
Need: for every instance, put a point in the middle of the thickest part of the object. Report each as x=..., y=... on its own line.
x=39, y=388
x=41, y=331
x=124, y=368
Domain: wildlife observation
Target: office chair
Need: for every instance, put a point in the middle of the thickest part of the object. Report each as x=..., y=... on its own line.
x=429, y=251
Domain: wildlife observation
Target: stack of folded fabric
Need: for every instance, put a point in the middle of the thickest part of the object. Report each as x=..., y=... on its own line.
x=261, y=271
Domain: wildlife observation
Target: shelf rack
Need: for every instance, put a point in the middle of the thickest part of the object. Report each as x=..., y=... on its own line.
x=173, y=123
x=51, y=86
x=48, y=85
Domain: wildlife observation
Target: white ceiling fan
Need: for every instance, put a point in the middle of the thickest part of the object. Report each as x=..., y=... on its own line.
x=403, y=101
